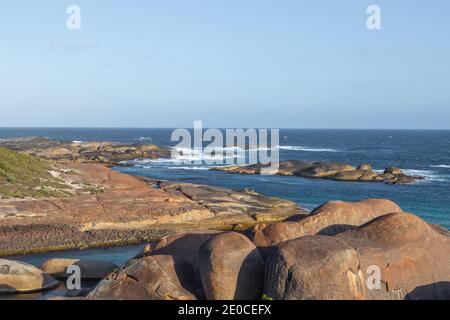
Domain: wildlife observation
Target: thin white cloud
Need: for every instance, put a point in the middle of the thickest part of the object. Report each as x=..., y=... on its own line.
x=56, y=45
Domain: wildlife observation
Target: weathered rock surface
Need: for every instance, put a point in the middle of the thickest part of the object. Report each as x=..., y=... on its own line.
x=328, y=219
x=183, y=245
x=122, y=209
x=19, y=277
x=412, y=257
x=231, y=268
x=225, y=202
x=328, y=170
x=157, y=277
x=109, y=153
x=89, y=269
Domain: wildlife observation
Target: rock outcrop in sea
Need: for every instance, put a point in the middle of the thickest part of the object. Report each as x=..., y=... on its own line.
x=327, y=170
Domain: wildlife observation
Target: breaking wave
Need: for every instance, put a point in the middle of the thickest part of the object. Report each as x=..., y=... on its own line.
x=307, y=149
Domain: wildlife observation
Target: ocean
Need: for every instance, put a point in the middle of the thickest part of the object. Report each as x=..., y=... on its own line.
x=417, y=152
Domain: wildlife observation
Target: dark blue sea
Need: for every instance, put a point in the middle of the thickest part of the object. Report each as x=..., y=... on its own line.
x=419, y=152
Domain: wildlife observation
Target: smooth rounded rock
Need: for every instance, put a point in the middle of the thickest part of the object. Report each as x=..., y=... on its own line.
x=89, y=269
x=156, y=277
x=231, y=268
x=184, y=245
x=19, y=277
x=328, y=219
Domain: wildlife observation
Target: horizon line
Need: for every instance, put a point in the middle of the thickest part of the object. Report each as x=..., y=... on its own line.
x=222, y=128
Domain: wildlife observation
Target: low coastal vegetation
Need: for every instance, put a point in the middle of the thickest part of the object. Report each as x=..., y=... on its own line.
x=23, y=175
x=27, y=176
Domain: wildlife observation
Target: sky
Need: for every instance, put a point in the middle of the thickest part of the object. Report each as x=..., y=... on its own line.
x=228, y=63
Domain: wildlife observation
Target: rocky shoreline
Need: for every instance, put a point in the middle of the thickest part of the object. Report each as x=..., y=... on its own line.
x=327, y=170
x=127, y=210
x=102, y=152
x=208, y=242
x=329, y=254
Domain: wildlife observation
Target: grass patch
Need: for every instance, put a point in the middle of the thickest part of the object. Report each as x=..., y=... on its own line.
x=23, y=175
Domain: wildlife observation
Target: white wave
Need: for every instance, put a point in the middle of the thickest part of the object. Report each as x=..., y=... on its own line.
x=188, y=168
x=77, y=141
x=145, y=138
x=160, y=160
x=445, y=166
x=219, y=149
x=429, y=175
x=307, y=149
x=209, y=154
x=144, y=163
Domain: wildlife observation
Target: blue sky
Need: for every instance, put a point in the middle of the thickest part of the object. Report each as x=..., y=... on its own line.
x=230, y=63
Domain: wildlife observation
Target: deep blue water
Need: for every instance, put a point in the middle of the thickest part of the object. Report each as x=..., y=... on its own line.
x=422, y=152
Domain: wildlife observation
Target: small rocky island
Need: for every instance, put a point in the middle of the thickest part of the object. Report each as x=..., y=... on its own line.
x=328, y=170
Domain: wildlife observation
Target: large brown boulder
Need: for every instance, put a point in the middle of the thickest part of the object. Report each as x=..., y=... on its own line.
x=156, y=277
x=184, y=245
x=231, y=268
x=314, y=267
x=89, y=269
x=412, y=258
x=328, y=219
x=19, y=277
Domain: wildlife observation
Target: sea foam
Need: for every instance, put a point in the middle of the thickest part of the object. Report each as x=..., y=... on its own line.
x=307, y=149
